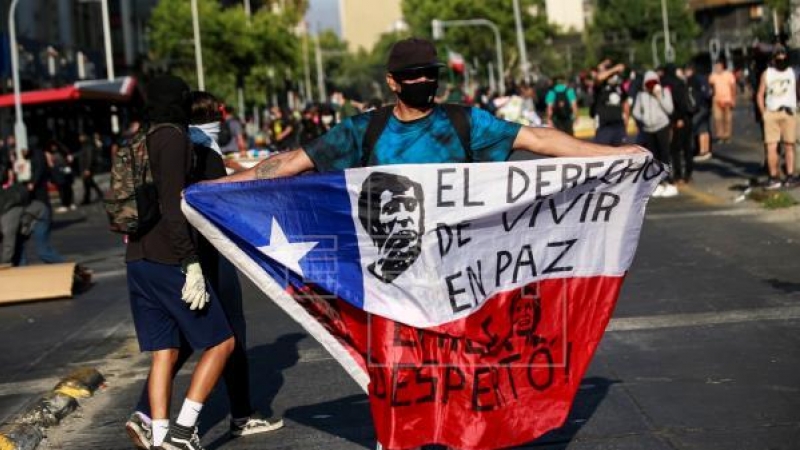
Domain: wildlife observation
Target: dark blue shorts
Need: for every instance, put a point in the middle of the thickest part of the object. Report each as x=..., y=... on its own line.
x=161, y=316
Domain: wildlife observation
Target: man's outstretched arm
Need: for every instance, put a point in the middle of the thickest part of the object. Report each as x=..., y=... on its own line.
x=552, y=142
x=284, y=164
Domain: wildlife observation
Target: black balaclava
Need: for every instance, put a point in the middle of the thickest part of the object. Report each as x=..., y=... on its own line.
x=167, y=100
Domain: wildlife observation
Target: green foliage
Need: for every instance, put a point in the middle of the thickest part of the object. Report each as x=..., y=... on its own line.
x=235, y=49
x=772, y=199
x=622, y=25
x=474, y=42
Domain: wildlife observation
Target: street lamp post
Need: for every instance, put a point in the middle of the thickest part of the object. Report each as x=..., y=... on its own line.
x=109, y=60
x=198, y=49
x=438, y=29
x=523, y=50
x=669, y=52
x=20, y=131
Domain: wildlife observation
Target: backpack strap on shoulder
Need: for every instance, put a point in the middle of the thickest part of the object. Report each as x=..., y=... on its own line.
x=461, y=118
x=377, y=123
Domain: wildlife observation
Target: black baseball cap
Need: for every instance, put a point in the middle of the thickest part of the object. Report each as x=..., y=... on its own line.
x=412, y=53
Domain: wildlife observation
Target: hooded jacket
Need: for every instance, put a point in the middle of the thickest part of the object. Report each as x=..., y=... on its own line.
x=650, y=110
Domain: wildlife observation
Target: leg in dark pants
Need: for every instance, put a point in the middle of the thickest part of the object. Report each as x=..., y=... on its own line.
x=658, y=143
x=681, y=152
x=90, y=185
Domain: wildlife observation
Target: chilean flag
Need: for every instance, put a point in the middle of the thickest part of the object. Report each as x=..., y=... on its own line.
x=466, y=299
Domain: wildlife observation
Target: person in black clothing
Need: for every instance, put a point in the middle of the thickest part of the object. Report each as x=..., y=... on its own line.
x=681, y=122
x=611, y=107
x=205, y=121
x=89, y=151
x=283, y=129
x=310, y=125
x=169, y=298
x=700, y=95
x=59, y=161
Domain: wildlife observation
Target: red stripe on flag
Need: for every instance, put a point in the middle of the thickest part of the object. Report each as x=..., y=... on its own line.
x=503, y=376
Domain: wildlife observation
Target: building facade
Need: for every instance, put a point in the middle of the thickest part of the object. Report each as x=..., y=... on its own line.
x=570, y=16
x=363, y=21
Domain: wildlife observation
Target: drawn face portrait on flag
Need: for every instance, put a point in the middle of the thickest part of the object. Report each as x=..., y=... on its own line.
x=390, y=208
x=526, y=310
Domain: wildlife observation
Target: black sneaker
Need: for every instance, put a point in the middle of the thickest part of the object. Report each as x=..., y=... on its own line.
x=139, y=431
x=792, y=181
x=182, y=438
x=255, y=424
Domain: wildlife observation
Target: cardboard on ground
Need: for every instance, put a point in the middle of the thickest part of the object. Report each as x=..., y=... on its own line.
x=41, y=282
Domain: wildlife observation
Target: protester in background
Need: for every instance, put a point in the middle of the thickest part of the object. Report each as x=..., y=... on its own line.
x=39, y=211
x=562, y=106
x=611, y=106
x=310, y=126
x=777, y=102
x=231, y=133
x=169, y=298
x=59, y=162
x=700, y=94
x=681, y=122
x=282, y=128
x=652, y=109
x=90, y=149
x=723, y=83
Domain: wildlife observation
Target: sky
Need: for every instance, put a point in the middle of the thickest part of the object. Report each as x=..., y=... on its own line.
x=323, y=14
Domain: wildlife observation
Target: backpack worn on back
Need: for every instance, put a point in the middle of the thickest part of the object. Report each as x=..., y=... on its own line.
x=132, y=201
x=459, y=116
x=562, y=108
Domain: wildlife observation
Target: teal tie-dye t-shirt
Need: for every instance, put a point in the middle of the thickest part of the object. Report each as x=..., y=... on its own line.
x=431, y=139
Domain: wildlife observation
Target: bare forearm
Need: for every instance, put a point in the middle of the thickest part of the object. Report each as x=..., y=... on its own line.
x=552, y=142
x=281, y=165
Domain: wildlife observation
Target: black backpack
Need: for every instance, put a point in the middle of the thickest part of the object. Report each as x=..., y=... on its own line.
x=458, y=115
x=562, y=108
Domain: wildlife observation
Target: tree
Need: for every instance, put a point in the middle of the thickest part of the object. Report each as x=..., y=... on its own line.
x=621, y=26
x=236, y=51
x=479, y=43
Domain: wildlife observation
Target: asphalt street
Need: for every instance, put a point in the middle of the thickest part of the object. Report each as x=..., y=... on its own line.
x=703, y=351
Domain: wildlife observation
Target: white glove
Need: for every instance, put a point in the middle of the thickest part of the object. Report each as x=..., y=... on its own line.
x=194, y=289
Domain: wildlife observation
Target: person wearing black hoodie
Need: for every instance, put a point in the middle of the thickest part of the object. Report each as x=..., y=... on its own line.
x=170, y=300
x=681, y=122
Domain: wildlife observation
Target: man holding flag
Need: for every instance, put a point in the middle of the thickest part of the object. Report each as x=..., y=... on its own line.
x=467, y=298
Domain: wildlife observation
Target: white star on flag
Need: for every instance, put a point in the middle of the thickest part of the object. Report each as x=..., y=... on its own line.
x=287, y=253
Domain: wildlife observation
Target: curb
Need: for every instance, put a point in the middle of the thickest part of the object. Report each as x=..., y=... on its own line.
x=26, y=430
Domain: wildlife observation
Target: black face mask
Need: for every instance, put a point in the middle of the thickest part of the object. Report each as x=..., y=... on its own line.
x=418, y=95
x=782, y=63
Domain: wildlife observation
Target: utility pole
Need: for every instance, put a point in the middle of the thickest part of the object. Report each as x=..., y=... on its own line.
x=523, y=50
x=794, y=21
x=198, y=49
x=669, y=52
x=109, y=60
x=306, y=68
x=323, y=95
x=20, y=131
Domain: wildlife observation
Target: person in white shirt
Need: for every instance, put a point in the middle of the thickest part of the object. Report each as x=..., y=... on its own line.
x=777, y=102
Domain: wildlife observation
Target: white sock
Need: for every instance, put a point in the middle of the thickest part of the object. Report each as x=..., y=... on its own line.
x=189, y=413
x=160, y=429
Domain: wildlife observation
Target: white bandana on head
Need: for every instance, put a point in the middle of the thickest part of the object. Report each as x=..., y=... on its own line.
x=205, y=134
